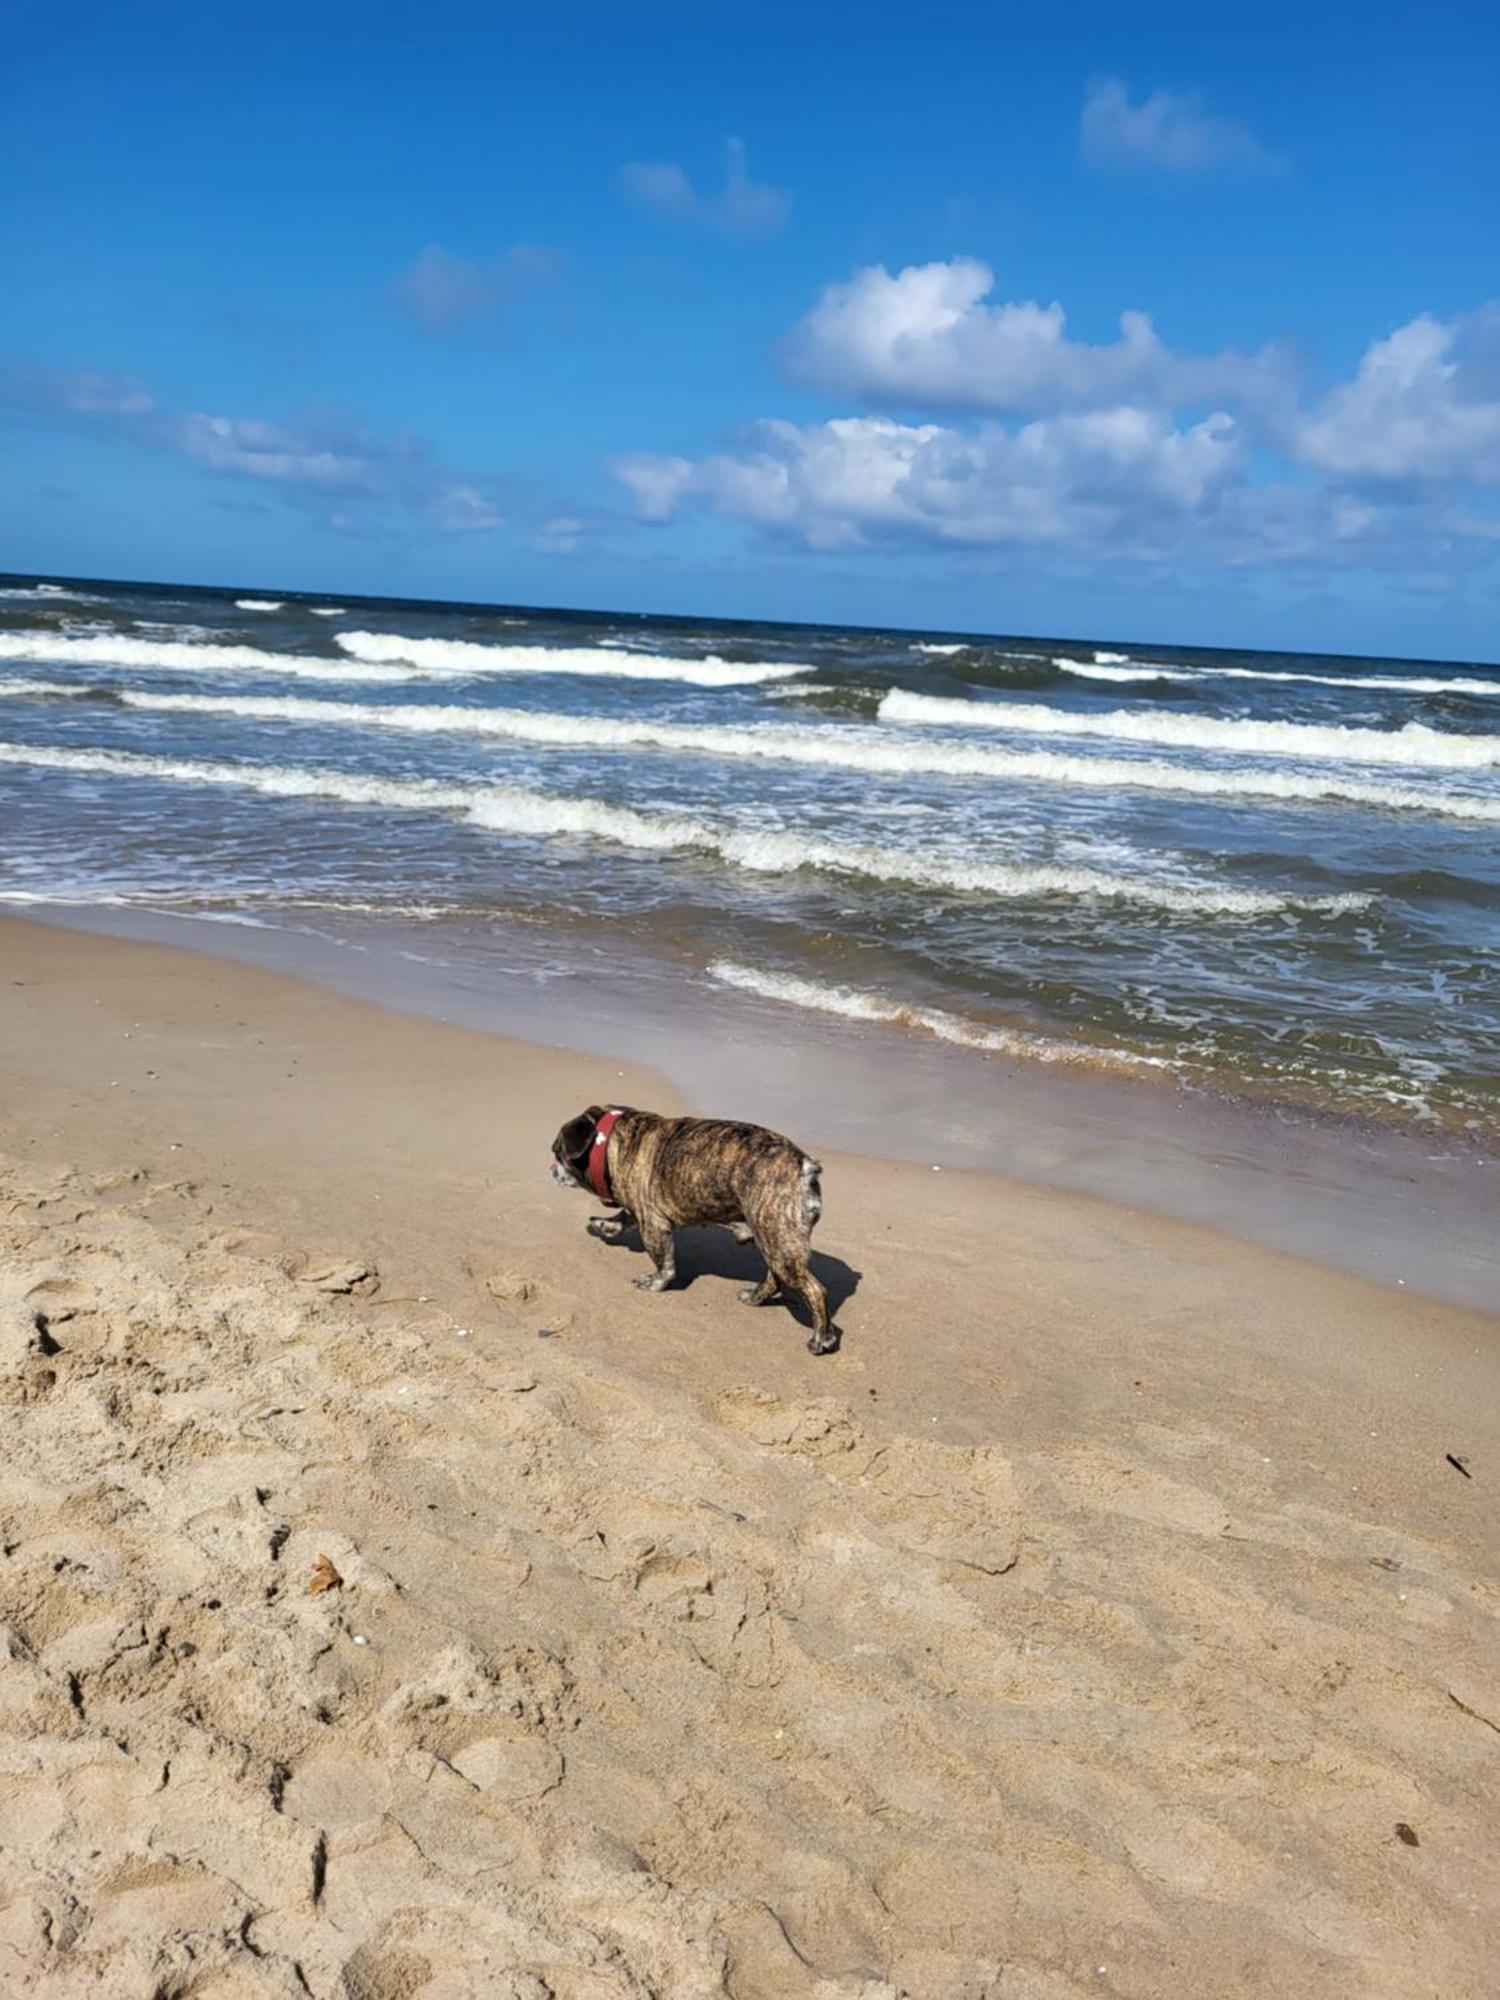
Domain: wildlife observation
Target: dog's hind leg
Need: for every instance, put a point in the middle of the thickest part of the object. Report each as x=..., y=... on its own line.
x=763, y=1293
x=800, y=1278
x=661, y=1249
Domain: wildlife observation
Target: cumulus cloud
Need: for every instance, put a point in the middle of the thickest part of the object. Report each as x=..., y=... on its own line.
x=1168, y=132
x=1424, y=408
x=309, y=460
x=1124, y=451
x=743, y=207
x=1114, y=477
x=923, y=337
x=444, y=294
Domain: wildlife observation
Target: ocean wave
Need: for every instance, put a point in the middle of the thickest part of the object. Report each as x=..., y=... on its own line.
x=177, y=656
x=465, y=656
x=1103, y=670
x=1412, y=744
x=854, y=1005
x=1111, y=667
x=940, y=651
x=258, y=604
x=14, y=690
x=832, y=748
x=48, y=593
x=327, y=610
x=508, y=809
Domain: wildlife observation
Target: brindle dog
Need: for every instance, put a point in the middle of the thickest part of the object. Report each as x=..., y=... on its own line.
x=663, y=1173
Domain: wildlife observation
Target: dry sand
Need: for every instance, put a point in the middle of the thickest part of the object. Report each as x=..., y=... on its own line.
x=1105, y=1619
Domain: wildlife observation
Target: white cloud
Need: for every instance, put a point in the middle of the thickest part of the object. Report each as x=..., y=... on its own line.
x=1168, y=131
x=465, y=510
x=274, y=452
x=81, y=392
x=657, y=484
x=1424, y=408
x=1111, y=481
x=924, y=338
x=744, y=207
x=445, y=294
x=561, y=536
x=310, y=460
x=1126, y=451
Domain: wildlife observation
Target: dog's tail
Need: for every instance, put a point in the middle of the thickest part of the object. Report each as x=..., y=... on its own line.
x=812, y=1189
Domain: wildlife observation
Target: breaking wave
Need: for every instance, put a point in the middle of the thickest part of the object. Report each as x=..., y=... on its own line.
x=1112, y=667
x=182, y=657
x=257, y=603
x=833, y=748
x=509, y=809
x=465, y=656
x=1412, y=744
x=853, y=1005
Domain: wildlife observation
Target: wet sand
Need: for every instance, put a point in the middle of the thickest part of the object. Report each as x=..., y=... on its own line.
x=1107, y=1617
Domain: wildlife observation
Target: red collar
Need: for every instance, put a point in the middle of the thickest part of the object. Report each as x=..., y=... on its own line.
x=598, y=1161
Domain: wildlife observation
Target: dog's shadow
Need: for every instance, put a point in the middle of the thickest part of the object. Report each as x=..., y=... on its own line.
x=713, y=1253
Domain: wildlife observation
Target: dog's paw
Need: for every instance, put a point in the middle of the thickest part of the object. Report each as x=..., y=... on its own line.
x=828, y=1344
x=752, y=1295
x=650, y=1284
x=606, y=1227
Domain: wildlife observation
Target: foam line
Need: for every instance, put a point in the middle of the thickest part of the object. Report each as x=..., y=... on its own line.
x=1413, y=744
x=852, y=1005
x=837, y=747
x=509, y=809
x=466, y=657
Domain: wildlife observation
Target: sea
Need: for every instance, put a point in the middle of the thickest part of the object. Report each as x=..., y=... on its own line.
x=1263, y=885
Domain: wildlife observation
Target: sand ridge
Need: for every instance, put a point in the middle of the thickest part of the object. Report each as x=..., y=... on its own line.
x=627, y=1691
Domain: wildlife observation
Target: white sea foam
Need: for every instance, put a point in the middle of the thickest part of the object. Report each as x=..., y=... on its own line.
x=327, y=610
x=257, y=604
x=42, y=593
x=853, y=1005
x=464, y=656
x=25, y=690
x=1413, y=744
x=1105, y=669
x=177, y=656
x=840, y=747
x=1101, y=670
x=508, y=809
x=941, y=650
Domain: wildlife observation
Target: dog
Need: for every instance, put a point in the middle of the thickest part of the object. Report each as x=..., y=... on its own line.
x=664, y=1173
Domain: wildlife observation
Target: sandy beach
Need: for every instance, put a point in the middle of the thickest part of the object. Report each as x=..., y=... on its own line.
x=395, y=1603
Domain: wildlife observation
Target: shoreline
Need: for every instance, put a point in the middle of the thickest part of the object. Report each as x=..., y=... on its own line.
x=1110, y=1599
x=988, y=1215
x=1409, y=1208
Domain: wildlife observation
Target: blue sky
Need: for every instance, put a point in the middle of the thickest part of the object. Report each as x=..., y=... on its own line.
x=668, y=308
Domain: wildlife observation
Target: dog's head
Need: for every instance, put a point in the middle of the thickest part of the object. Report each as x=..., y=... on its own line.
x=570, y=1149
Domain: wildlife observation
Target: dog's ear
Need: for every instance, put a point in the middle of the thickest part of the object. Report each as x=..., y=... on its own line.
x=574, y=1139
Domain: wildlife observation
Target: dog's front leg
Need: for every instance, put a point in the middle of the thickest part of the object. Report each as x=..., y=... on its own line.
x=610, y=1228
x=662, y=1250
